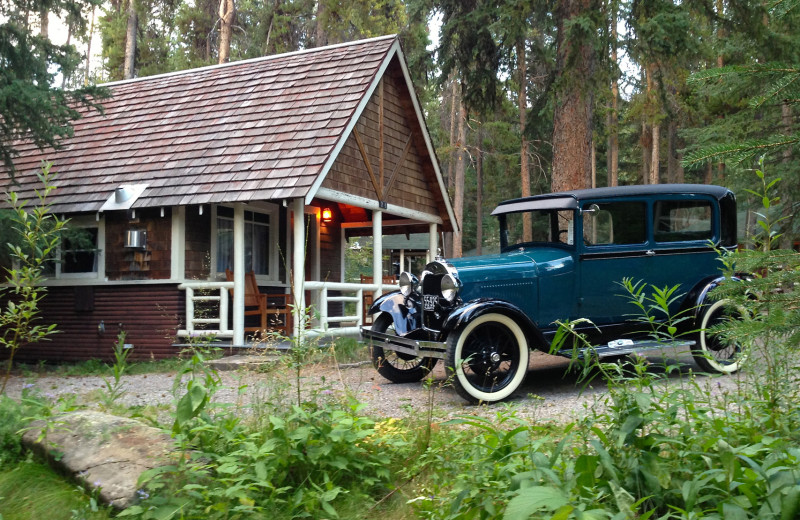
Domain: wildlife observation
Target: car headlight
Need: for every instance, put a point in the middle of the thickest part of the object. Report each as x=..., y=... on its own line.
x=408, y=283
x=450, y=286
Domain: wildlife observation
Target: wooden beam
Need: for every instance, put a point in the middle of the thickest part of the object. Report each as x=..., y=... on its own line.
x=380, y=133
x=363, y=150
x=388, y=188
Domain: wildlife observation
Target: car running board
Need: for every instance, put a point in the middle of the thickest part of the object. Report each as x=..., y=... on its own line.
x=623, y=347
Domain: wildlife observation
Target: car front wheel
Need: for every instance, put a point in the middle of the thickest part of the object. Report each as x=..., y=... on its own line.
x=488, y=358
x=712, y=351
x=397, y=367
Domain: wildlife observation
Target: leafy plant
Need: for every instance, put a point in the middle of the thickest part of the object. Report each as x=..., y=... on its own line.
x=113, y=389
x=39, y=232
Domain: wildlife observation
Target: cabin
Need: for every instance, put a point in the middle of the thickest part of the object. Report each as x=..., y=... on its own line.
x=204, y=197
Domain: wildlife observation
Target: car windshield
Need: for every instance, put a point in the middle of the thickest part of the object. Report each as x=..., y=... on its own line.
x=547, y=226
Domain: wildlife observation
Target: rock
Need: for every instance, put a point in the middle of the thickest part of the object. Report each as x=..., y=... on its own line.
x=101, y=450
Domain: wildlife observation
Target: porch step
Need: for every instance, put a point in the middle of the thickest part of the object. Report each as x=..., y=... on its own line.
x=251, y=361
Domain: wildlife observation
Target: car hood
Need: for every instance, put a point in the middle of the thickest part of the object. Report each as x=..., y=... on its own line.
x=541, y=256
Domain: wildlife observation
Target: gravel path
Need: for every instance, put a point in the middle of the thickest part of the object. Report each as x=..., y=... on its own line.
x=549, y=393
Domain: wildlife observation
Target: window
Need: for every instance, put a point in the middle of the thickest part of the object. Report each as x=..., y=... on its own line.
x=553, y=226
x=682, y=220
x=80, y=252
x=615, y=223
x=259, y=231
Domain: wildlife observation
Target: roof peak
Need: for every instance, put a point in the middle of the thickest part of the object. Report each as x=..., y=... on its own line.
x=247, y=61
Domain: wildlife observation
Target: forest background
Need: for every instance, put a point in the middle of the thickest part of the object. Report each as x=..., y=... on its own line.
x=521, y=96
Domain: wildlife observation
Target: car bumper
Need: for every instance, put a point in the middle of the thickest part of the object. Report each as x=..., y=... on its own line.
x=413, y=347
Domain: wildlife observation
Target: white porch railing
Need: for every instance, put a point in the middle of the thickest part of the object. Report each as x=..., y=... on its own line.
x=351, y=292
x=210, y=291
x=207, y=295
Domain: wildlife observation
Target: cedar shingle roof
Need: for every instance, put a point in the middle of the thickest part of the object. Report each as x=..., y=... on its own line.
x=252, y=130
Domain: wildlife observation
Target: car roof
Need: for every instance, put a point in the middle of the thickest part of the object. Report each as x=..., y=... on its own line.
x=570, y=199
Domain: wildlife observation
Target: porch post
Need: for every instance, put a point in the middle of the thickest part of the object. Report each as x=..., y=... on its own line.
x=433, y=242
x=403, y=260
x=298, y=263
x=178, y=244
x=377, y=251
x=238, y=274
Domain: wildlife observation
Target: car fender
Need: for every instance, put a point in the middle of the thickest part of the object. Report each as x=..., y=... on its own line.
x=394, y=304
x=698, y=296
x=466, y=312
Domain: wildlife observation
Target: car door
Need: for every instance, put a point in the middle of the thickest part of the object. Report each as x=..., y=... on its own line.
x=683, y=229
x=614, y=245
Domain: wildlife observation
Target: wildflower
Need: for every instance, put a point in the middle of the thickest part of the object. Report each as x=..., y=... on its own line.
x=142, y=494
x=327, y=392
x=28, y=386
x=97, y=483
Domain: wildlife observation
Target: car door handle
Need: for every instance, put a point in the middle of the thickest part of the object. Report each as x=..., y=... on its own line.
x=650, y=252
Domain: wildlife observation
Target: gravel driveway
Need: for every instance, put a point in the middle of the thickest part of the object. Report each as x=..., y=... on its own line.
x=549, y=393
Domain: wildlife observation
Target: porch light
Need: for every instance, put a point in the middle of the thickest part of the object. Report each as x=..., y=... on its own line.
x=327, y=215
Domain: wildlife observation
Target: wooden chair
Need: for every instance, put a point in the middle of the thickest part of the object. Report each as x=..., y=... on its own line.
x=366, y=319
x=274, y=310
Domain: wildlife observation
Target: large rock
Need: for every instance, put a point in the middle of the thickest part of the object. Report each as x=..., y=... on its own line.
x=101, y=450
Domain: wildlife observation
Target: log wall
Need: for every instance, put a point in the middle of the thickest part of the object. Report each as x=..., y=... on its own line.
x=149, y=314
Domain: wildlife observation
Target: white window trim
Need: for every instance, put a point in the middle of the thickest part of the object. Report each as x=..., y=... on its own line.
x=274, y=234
x=87, y=222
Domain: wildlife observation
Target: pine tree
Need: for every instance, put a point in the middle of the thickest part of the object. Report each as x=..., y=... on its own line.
x=31, y=106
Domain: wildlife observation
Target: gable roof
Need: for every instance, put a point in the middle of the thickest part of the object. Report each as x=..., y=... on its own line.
x=261, y=129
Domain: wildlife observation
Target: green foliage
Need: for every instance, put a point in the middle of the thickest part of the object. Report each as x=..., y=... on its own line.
x=39, y=234
x=31, y=490
x=113, y=389
x=30, y=106
x=297, y=464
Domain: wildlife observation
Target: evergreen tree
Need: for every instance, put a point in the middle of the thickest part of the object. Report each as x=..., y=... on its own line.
x=31, y=106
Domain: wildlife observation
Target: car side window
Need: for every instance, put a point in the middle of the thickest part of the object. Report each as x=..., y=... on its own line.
x=615, y=223
x=682, y=220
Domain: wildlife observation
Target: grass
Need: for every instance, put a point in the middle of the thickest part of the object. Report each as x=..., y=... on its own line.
x=31, y=490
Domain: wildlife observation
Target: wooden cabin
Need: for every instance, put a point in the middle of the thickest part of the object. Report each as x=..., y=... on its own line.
x=261, y=166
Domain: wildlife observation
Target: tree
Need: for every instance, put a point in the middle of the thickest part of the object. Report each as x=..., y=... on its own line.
x=227, y=14
x=574, y=94
x=30, y=106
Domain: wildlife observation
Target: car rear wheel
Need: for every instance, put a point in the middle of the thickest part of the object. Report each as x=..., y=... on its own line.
x=712, y=351
x=397, y=367
x=488, y=358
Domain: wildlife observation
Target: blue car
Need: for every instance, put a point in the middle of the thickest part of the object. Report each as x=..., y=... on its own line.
x=562, y=258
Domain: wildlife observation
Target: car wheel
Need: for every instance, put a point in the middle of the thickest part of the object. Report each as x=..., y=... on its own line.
x=488, y=358
x=712, y=352
x=397, y=367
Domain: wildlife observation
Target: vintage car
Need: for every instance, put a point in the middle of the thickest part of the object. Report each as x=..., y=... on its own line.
x=483, y=314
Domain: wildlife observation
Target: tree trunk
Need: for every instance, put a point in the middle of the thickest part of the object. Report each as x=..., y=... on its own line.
x=227, y=13
x=130, y=41
x=451, y=181
x=674, y=169
x=479, y=194
x=656, y=146
x=458, y=199
x=646, y=142
x=320, y=35
x=612, y=157
x=524, y=168
x=44, y=23
x=786, y=122
x=572, y=117
x=593, y=176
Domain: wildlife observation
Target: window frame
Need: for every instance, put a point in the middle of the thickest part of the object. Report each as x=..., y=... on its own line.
x=85, y=222
x=272, y=240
